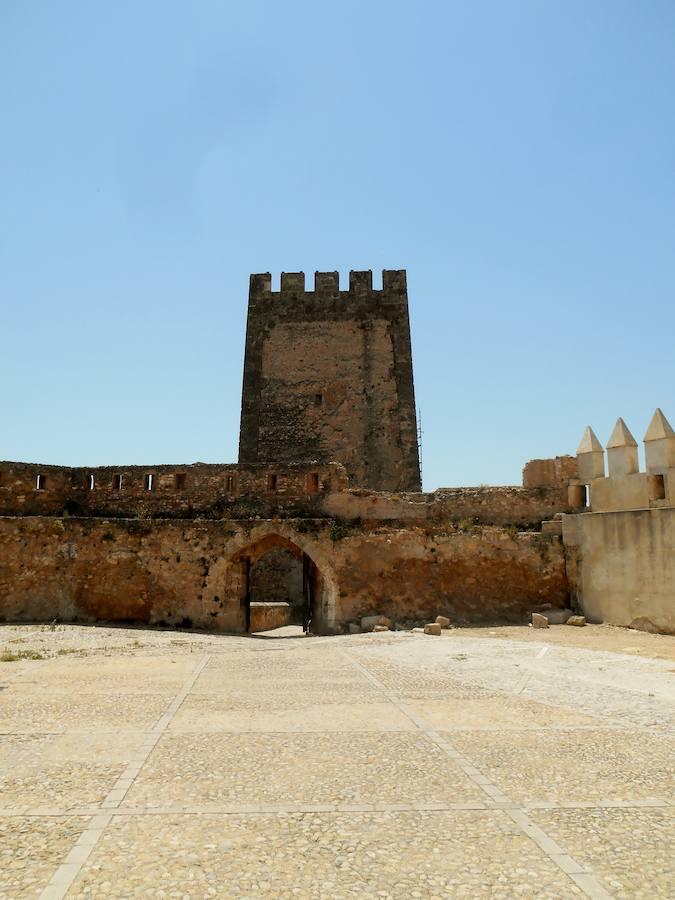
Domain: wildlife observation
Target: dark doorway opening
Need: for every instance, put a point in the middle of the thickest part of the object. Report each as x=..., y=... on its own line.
x=279, y=586
x=279, y=576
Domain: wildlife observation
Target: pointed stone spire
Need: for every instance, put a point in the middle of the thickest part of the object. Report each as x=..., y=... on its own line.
x=622, y=452
x=621, y=436
x=659, y=445
x=590, y=457
x=659, y=427
x=589, y=442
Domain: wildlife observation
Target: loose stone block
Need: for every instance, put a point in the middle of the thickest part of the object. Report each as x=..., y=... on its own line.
x=557, y=616
x=354, y=629
x=380, y=628
x=368, y=623
x=443, y=621
x=432, y=628
x=539, y=621
x=579, y=621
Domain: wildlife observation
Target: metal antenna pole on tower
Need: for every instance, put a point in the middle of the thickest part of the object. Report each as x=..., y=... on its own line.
x=419, y=439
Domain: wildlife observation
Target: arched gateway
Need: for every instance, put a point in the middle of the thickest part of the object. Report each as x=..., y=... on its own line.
x=282, y=563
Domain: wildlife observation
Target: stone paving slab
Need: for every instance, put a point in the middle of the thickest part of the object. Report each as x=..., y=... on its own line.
x=41, y=711
x=323, y=855
x=278, y=669
x=177, y=765
x=281, y=711
x=139, y=674
x=617, y=843
x=30, y=850
x=299, y=769
x=493, y=713
x=575, y=765
x=61, y=770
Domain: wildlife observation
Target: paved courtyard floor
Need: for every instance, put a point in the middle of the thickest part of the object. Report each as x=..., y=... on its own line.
x=485, y=763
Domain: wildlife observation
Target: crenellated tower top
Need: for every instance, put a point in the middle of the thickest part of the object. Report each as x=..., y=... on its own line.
x=328, y=375
x=327, y=286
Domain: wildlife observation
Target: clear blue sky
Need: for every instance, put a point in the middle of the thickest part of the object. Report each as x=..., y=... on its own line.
x=517, y=158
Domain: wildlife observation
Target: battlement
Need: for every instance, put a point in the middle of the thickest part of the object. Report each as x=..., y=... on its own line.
x=624, y=486
x=327, y=286
x=185, y=491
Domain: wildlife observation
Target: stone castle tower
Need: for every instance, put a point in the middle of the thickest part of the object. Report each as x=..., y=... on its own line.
x=328, y=376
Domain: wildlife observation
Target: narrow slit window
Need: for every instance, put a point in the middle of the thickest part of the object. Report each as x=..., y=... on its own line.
x=313, y=482
x=91, y=479
x=271, y=482
x=117, y=482
x=587, y=496
x=181, y=481
x=318, y=399
x=230, y=482
x=41, y=482
x=149, y=481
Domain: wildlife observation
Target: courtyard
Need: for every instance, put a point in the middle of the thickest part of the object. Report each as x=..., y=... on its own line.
x=488, y=762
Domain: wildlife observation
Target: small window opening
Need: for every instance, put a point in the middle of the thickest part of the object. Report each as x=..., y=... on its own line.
x=230, y=482
x=41, y=482
x=657, y=487
x=313, y=482
x=149, y=481
x=587, y=496
x=271, y=482
x=117, y=482
x=91, y=481
x=181, y=481
x=318, y=399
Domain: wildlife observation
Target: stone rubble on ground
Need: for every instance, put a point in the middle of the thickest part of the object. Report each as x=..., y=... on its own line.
x=539, y=621
x=579, y=621
x=557, y=616
x=443, y=621
x=368, y=623
x=381, y=628
x=432, y=628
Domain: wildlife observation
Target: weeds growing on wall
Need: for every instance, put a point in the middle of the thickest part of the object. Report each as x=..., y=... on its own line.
x=340, y=530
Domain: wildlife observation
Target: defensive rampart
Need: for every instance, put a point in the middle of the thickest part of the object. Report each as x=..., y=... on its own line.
x=192, y=573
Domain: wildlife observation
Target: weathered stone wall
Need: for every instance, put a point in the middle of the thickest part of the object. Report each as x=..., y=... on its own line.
x=192, y=573
x=328, y=375
x=555, y=472
x=230, y=491
x=520, y=506
x=181, y=491
x=267, y=616
x=621, y=567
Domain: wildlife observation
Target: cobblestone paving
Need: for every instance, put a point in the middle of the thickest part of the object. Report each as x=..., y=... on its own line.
x=158, y=764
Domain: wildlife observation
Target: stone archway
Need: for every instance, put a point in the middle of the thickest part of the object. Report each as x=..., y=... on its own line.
x=317, y=577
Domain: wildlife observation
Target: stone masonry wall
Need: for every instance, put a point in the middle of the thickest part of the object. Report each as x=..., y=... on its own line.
x=328, y=375
x=514, y=506
x=221, y=491
x=188, y=573
x=181, y=491
x=554, y=472
x=621, y=567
